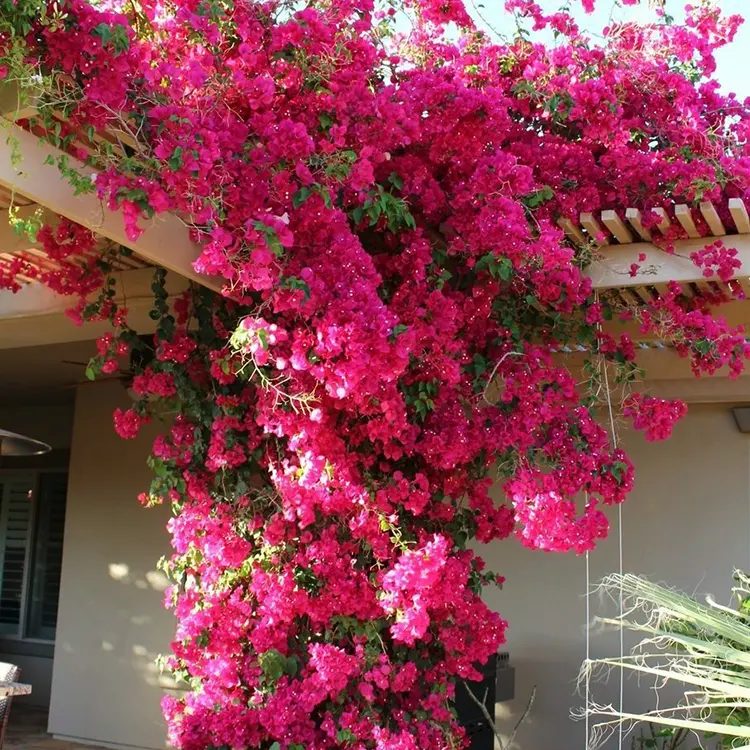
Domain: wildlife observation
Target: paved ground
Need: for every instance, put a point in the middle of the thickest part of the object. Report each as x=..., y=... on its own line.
x=27, y=730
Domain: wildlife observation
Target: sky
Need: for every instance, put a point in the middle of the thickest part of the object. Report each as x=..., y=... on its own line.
x=733, y=62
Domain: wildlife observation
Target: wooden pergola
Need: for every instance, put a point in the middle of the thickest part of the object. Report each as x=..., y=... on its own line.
x=627, y=241
x=35, y=184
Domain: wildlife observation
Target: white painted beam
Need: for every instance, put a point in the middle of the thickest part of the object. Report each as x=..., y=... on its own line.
x=18, y=333
x=10, y=240
x=694, y=390
x=736, y=313
x=35, y=300
x=15, y=106
x=34, y=316
x=165, y=242
x=612, y=269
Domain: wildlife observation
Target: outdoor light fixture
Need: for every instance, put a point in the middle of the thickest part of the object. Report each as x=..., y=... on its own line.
x=12, y=444
x=741, y=416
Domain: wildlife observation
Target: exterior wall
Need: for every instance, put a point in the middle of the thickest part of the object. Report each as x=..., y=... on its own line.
x=111, y=623
x=52, y=425
x=687, y=524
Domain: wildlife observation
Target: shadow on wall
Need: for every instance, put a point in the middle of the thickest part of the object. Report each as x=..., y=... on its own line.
x=121, y=650
x=145, y=660
x=112, y=624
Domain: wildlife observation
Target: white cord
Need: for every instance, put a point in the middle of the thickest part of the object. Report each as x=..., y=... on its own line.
x=620, y=567
x=587, y=683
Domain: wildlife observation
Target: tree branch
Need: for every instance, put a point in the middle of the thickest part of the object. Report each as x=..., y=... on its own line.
x=491, y=721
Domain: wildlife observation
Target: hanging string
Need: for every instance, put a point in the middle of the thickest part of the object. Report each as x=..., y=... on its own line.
x=621, y=603
x=620, y=568
x=587, y=672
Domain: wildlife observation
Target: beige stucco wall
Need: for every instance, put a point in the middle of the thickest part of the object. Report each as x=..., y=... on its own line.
x=687, y=523
x=111, y=623
x=52, y=425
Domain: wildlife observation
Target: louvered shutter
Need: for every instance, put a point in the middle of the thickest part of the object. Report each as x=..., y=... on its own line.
x=47, y=560
x=16, y=516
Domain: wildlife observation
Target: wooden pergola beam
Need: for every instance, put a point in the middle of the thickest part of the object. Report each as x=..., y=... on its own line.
x=10, y=240
x=15, y=105
x=35, y=299
x=165, y=242
x=34, y=316
x=612, y=269
x=694, y=390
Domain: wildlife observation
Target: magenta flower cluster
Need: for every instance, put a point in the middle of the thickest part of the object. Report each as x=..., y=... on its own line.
x=384, y=379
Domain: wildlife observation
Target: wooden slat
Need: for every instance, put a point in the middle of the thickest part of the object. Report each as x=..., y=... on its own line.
x=20, y=277
x=630, y=297
x=685, y=217
x=664, y=222
x=633, y=215
x=735, y=290
x=572, y=231
x=712, y=219
x=739, y=215
x=617, y=226
x=595, y=230
x=612, y=269
x=704, y=287
x=642, y=294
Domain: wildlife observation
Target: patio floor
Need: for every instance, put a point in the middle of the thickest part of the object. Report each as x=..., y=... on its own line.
x=27, y=730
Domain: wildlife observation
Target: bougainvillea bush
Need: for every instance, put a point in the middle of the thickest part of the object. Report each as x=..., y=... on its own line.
x=377, y=189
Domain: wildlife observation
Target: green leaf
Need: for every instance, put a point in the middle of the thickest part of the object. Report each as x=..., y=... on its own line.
x=301, y=196
x=536, y=199
x=272, y=664
x=325, y=120
x=115, y=36
x=617, y=470
x=292, y=666
x=396, y=181
x=175, y=161
x=398, y=330
x=296, y=284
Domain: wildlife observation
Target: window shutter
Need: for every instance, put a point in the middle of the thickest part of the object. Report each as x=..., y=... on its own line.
x=16, y=514
x=47, y=563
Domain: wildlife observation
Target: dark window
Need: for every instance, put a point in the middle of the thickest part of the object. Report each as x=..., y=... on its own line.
x=32, y=521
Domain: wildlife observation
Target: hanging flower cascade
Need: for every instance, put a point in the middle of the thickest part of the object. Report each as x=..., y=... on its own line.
x=380, y=200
